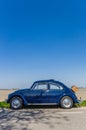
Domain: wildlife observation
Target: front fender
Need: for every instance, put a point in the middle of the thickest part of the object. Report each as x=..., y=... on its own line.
x=17, y=95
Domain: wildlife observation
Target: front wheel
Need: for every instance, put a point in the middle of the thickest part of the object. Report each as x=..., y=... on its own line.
x=16, y=103
x=66, y=102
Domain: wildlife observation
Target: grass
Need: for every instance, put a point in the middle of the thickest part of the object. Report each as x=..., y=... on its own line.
x=82, y=104
x=6, y=105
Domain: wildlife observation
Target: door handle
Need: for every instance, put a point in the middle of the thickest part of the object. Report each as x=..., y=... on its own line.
x=47, y=90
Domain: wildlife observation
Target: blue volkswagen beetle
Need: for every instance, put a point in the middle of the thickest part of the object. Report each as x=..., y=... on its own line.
x=44, y=92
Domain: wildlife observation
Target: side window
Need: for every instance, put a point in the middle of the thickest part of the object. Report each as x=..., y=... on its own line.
x=56, y=87
x=41, y=87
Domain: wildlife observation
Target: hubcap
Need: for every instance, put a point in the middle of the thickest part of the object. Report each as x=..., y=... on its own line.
x=16, y=103
x=67, y=103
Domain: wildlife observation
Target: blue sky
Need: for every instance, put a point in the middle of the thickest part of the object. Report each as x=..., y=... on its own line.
x=42, y=40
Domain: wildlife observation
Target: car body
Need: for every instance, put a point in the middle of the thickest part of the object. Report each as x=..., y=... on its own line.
x=44, y=92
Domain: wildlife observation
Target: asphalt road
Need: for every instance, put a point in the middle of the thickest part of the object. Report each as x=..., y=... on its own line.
x=43, y=119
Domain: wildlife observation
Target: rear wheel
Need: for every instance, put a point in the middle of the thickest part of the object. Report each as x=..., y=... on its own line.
x=16, y=103
x=66, y=102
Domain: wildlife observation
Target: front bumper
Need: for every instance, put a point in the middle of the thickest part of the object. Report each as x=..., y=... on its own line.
x=6, y=100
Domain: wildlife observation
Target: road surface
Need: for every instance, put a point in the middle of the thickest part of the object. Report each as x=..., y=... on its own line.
x=43, y=119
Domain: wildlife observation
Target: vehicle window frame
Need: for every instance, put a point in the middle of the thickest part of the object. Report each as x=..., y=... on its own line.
x=60, y=86
x=33, y=88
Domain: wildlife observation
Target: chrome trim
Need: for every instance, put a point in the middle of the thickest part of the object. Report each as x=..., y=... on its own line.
x=80, y=101
x=5, y=100
x=15, y=103
x=66, y=103
x=42, y=104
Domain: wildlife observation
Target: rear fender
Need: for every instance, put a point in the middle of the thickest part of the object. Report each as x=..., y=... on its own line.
x=73, y=97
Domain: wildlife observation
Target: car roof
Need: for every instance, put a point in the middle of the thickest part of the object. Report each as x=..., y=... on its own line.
x=47, y=81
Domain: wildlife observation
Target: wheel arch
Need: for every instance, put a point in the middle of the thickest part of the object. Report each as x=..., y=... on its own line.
x=20, y=96
x=66, y=96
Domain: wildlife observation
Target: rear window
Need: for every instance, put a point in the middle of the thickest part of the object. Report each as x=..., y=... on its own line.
x=55, y=87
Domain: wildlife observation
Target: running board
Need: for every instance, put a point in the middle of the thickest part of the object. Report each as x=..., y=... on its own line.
x=43, y=104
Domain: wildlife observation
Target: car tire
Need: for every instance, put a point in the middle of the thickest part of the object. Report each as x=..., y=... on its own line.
x=16, y=103
x=66, y=102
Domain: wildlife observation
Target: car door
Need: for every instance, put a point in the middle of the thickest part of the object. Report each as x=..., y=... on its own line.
x=35, y=94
